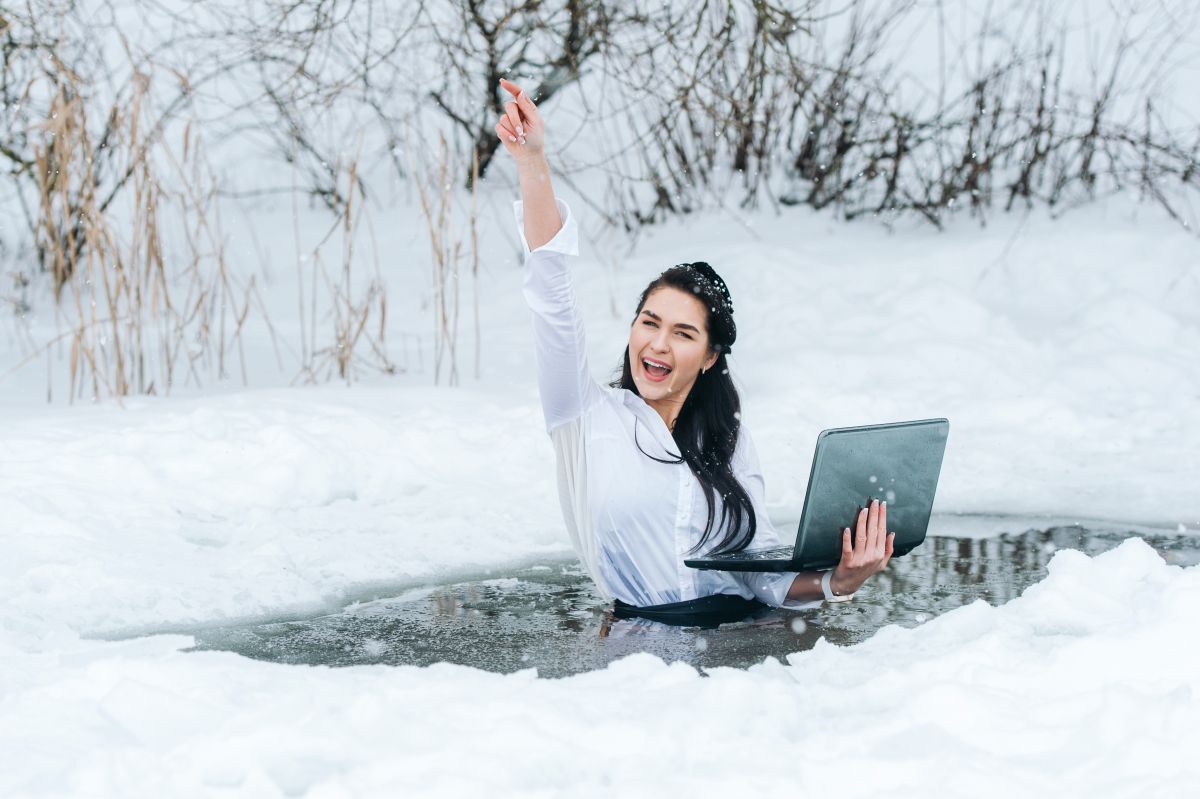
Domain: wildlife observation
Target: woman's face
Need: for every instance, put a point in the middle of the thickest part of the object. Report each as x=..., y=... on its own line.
x=671, y=330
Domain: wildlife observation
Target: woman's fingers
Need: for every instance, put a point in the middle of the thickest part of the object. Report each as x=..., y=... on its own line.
x=869, y=548
x=505, y=133
x=873, y=544
x=887, y=553
x=514, y=119
x=881, y=525
x=510, y=87
x=524, y=101
x=528, y=108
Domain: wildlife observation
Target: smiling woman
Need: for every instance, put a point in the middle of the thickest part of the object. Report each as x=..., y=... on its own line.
x=675, y=361
x=673, y=353
x=656, y=466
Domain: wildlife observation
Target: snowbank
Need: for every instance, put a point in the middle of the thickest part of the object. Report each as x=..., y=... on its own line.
x=1085, y=685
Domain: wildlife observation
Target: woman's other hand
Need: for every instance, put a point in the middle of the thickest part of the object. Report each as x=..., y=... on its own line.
x=520, y=128
x=867, y=554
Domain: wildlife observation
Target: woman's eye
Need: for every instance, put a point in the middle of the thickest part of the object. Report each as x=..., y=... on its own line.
x=680, y=332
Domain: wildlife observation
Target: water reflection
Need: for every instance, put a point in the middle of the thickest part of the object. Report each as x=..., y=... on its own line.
x=549, y=616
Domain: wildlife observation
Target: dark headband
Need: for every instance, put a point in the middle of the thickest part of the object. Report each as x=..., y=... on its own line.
x=715, y=288
x=710, y=279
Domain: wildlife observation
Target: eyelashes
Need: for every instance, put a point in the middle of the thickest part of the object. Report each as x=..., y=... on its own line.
x=652, y=324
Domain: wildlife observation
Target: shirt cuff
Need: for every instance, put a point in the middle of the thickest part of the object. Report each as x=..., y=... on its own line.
x=801, y=604
x=565, y=241
x=779, y=585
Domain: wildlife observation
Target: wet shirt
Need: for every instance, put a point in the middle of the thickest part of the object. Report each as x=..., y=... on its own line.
x=631, y=519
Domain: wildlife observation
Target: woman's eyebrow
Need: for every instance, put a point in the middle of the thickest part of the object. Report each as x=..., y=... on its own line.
x=653, y=315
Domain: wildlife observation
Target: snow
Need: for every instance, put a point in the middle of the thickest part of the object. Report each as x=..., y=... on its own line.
x=1061, y=351
x=1085, y=685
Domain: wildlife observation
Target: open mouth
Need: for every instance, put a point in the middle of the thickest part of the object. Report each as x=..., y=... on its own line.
x=654, y=371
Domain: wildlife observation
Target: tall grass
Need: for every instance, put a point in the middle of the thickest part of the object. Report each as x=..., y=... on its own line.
x=451, y=243
x=144, y=298
x=356, y=321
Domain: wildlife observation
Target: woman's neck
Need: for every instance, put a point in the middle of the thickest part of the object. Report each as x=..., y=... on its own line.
x=668, y=410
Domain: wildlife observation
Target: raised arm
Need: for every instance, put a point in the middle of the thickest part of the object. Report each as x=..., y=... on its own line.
x=548, y=236
x=523, y=134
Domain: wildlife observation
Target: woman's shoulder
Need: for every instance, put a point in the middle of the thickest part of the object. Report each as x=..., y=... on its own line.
x=608, y=404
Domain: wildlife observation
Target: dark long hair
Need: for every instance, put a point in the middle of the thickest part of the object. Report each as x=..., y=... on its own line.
x=706, y=430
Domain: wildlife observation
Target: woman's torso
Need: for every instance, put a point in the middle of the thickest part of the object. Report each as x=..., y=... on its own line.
x=644, y=516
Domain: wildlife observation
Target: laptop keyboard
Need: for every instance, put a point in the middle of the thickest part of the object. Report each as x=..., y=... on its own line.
x=775, y=553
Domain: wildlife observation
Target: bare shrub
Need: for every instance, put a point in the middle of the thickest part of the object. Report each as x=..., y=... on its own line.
x=322, y=73
x=714, y=103
x=477, y=43
x=324, y=68
x=765, y=103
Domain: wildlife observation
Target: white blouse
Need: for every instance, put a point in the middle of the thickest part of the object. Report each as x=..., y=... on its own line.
x=632, y=520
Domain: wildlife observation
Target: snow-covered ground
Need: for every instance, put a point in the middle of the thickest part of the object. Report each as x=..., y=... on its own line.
x=1084, y=686
x=1063, y=352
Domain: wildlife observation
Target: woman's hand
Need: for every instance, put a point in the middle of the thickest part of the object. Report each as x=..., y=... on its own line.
x=521, y=128
x=870, y=553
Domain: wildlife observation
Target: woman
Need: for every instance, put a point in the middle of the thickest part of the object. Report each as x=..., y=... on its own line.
x=656, y=465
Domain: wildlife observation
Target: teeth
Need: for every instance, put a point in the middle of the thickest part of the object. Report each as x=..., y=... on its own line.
x=651, y=363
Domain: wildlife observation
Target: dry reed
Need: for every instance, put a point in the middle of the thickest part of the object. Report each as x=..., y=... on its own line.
x=357, y=345
x=434, y=187
x=135, y=314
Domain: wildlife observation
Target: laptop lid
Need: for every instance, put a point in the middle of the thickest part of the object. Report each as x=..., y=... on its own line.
x=899, y=462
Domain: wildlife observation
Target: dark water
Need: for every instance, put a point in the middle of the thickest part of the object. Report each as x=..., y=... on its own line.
x=549, y=617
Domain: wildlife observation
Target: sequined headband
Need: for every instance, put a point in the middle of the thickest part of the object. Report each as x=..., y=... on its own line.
x=714, y=287
x=710, y=279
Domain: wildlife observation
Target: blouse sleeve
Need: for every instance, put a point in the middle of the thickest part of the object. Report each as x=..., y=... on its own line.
x=564, y=382
x=768, y=587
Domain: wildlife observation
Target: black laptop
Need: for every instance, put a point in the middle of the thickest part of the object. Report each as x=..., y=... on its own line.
x=898, y=462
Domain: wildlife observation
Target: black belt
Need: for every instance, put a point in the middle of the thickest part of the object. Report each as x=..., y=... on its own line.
x=705, y=611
